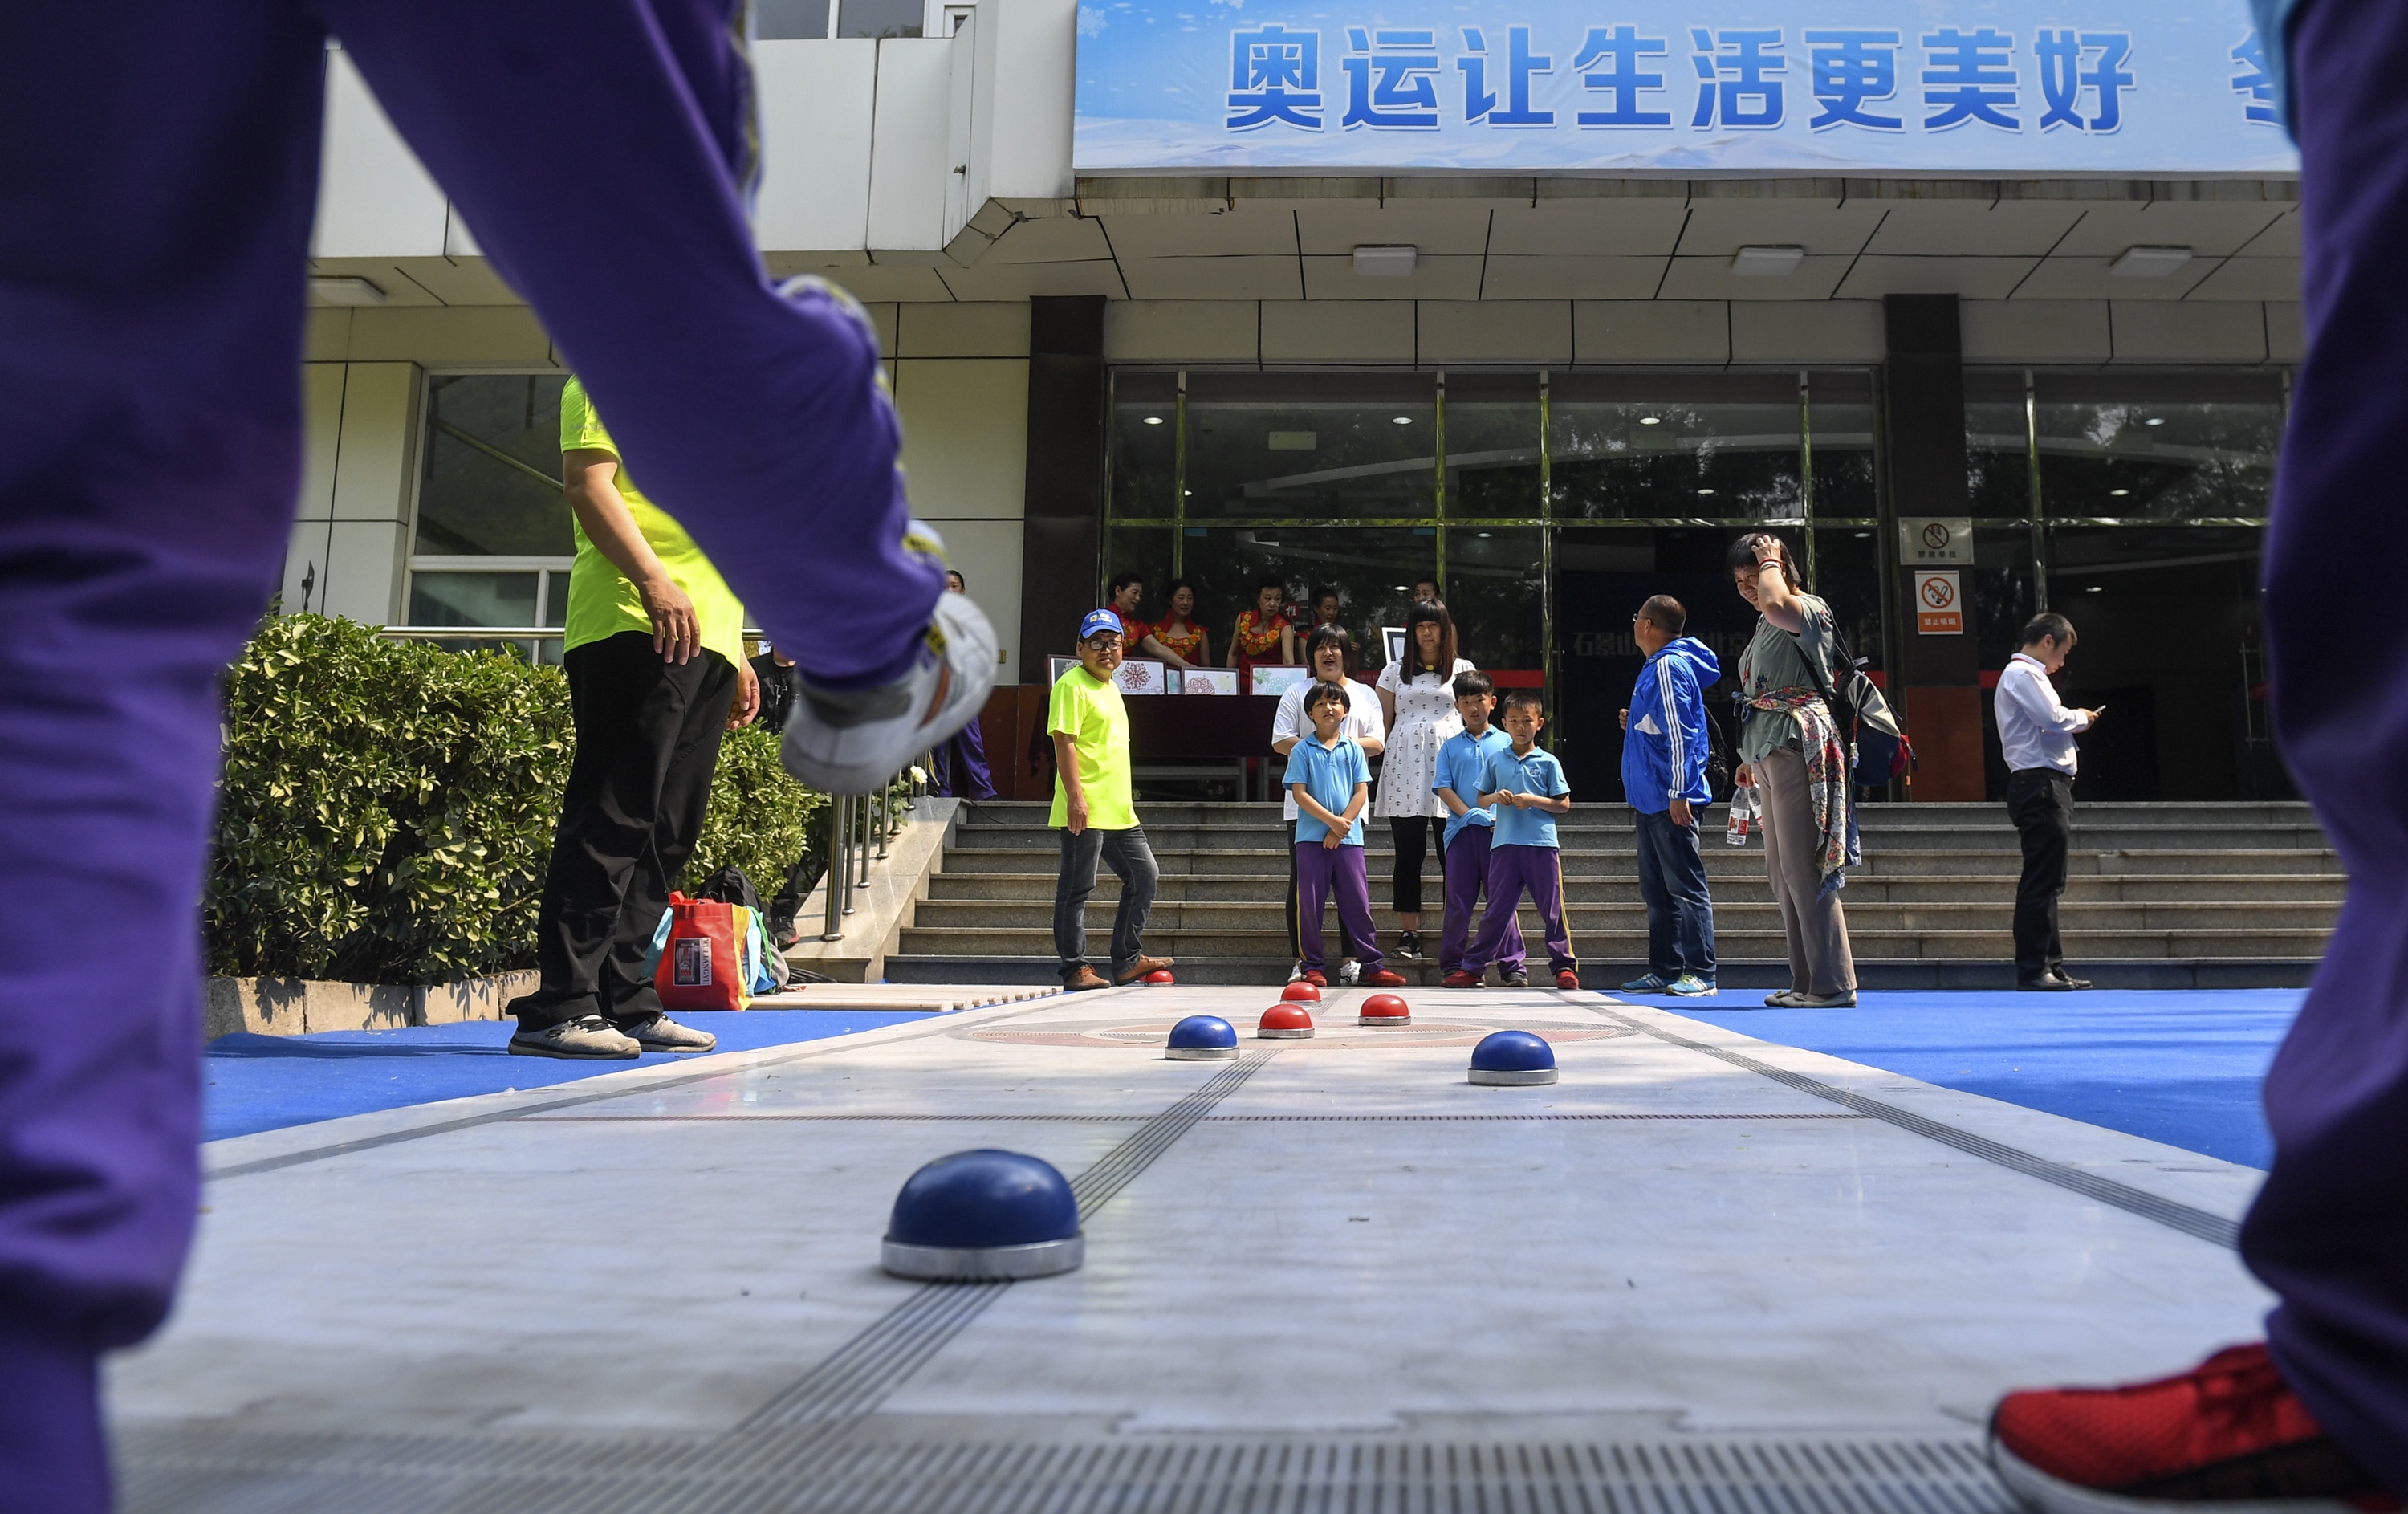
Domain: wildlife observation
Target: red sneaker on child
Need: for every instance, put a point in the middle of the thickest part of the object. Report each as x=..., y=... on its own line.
x=1460, y=980
x=1316, y=977
x=1380, y=977
x=2228, y=1432
x=1567, y=981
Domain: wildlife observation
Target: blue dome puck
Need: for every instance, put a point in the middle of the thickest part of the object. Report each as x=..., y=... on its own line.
x=1512, y=1058
x=1202, y=1038
x=979, y=1216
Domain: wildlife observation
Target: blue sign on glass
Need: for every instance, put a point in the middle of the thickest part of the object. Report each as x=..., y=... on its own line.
x=1832, y=87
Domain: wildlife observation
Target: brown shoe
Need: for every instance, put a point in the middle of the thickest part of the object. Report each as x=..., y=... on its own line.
x=1144, y=965
x=1083, y=980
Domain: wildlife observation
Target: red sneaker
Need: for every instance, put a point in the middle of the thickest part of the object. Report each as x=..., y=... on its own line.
x=1567, y=981
x=2229, y=1430
x=1460, y=979
x=1316, y=977
x=1380, y=977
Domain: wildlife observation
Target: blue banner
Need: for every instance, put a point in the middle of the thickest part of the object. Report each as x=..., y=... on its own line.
x=1825, y=87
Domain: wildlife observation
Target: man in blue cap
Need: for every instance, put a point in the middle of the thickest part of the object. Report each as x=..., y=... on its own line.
x=1094, y=809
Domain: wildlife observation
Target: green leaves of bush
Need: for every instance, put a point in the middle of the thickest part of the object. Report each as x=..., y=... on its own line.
x=388, y=808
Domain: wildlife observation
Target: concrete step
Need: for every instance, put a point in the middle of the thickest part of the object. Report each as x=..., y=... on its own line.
x=1998, y=838
x=1271, y=861
x=1868, y=945
x=1628, y=913
x=1742, y=980
x=1996, y=889
x=2178, y=815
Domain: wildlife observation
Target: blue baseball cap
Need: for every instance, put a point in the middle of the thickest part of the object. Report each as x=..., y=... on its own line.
x=1100, y=620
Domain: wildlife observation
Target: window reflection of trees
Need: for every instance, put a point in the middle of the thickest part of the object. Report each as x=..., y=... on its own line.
x=2165, y=461
x=1640, y=460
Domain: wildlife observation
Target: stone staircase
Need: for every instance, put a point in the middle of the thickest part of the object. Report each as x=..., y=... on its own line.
x=2173, y=895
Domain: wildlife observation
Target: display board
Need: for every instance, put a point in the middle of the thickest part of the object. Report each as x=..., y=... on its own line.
x=1826, y=87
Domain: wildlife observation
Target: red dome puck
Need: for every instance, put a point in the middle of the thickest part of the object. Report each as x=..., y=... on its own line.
x=1300, y=992
x=1285, y=1021
x=1159, y=978
x=1384, y=1009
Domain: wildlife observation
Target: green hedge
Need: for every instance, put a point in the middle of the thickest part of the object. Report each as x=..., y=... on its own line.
x=388, y=808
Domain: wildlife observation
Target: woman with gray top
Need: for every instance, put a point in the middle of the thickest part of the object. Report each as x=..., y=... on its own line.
x=1791, y=750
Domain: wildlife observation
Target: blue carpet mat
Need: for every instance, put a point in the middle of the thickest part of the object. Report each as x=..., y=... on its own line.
x=267, y=1082
x=2181, y=1067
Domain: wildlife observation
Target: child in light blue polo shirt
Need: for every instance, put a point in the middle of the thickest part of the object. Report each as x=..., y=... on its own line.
x=1526, y=785
x=1332, y=780
x=1460, y=776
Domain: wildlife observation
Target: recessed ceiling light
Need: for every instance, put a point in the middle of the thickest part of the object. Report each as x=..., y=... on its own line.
x=1861, y=535
x=1385, y=262
x=1482, y=535
x=1153, y=420
x=1705, y=491
x=2155, y=420
x=1404, y=420
x=1404, y=589
x=2119, y=492
x=2095, y=588
x=1767, y=262
x=1189, y=493
x=1651, y=420
x=345, y=290
x=2149, y=262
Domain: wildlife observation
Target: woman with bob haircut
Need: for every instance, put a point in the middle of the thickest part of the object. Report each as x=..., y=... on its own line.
x=1417, y=697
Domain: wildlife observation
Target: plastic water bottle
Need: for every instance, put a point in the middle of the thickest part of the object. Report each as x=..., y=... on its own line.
x=1745, y=807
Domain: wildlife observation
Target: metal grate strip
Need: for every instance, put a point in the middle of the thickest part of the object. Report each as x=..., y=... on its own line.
x=893, y=1467
x=2170, y=1213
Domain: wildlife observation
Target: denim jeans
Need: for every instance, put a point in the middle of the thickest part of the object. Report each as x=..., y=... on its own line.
x=1679, y=911
x=1131, y=859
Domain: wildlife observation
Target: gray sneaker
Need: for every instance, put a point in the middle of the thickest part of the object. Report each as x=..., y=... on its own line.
x=1786, y=998
x=1516, y=977
x=1844, y=999
x=588, y=1038
x=1350, y=972
x=853, y=742
x=662, y=1033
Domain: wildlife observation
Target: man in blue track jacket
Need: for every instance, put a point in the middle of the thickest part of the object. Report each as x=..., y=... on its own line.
x=1664, y=777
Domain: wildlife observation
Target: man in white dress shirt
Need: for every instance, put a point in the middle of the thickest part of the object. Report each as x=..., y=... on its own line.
x=2036, y=729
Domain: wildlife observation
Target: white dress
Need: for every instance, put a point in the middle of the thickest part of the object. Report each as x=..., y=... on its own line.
x=1426, y=718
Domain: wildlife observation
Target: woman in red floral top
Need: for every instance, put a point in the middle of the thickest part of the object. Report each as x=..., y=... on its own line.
x=1260, y=629
x=1179, y=641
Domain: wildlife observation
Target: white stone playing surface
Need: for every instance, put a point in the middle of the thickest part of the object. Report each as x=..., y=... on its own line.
x=1353, y=1241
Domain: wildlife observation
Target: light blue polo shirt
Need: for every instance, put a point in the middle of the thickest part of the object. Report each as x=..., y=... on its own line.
x=1462, y=762
x=1329, y=775
x=1538, y=773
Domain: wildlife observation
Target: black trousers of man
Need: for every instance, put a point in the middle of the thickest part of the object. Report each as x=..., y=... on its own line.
x=648, y=734
x=2040, y=801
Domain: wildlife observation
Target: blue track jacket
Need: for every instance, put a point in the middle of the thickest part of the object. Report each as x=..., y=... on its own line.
x=1664, y=752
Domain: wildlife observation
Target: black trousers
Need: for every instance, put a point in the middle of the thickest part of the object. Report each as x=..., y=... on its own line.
x=1131, y=859
x=2040, y=801
x=1414, y=836
x=648, y=734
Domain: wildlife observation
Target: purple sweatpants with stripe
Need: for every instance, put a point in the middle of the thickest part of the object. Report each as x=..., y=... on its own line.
x=1512, y=870
x=2330, y=1229
x=162, y=174
x=1320, y=871
x=1465, y=863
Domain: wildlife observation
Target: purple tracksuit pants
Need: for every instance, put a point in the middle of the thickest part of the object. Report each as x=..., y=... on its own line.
x=1512, y=870
x=1465, y=863
x=162, y=173
x=961, y=766
x=2330, y=1229
x=1320, y=871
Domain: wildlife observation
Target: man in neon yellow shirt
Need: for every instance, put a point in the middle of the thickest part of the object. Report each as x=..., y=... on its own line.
x=656, y=673
x=1094, y=809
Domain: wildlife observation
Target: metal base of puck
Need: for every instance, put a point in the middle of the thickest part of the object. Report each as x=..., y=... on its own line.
x=945, y=1263
x=1534, y=1077
x=1383, y=1020
x=1200, y=1054
x=1305, y=1033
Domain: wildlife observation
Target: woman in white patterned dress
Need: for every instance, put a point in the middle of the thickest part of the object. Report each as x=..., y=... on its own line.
x=1417, y=696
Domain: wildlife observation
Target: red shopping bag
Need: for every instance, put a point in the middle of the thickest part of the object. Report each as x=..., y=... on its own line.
x=702, y=960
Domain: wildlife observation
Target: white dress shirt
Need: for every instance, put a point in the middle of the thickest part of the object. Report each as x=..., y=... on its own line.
x=1364, y=722
x=2035, y=729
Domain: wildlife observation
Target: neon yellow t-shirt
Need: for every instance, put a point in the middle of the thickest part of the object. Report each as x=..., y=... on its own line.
x=1090, y=711
x=602, y=602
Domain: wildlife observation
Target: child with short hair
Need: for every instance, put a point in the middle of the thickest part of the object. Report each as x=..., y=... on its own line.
x=1331, y=779
x=1526, y=785
x=1463, y=855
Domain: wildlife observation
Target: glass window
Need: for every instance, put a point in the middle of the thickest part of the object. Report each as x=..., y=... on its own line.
x=1145, y=551
x=1492, y=445
x=2166, y=446
x=1145, y=445
x=1848, y=578
x=1641, y=446
x=473, y=599
x=879, y=18
x=1372, y=572
x=1841, y=411
x=778, y=20
x=1496, y=590
x=1311, y=445
x=1998, y=455
x=492, y=481
x=2168, y=627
